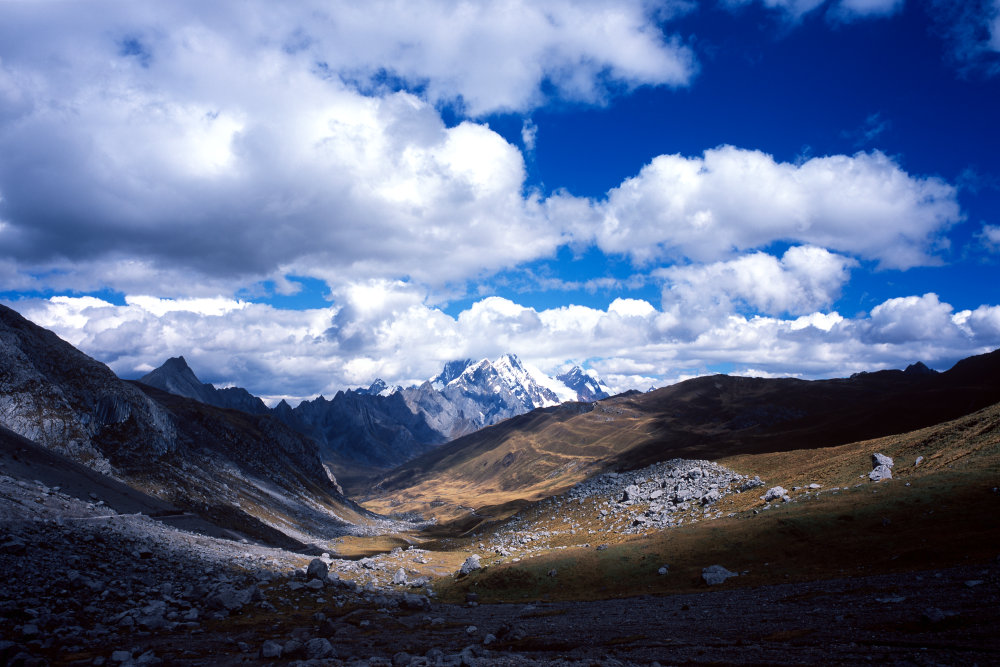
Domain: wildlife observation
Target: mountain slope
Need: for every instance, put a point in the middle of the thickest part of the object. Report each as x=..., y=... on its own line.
x=250, y=473
x=540, y=453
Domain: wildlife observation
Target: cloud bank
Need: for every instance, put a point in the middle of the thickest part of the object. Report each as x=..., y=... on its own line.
x=385, y=330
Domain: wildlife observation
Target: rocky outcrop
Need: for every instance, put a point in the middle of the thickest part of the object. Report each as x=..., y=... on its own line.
x=54, y=394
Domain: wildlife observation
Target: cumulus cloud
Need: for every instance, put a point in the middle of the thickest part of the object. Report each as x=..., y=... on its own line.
x=249, y=143
x=384, y=329
x=733, y=199
x=911, y=318
x=802, y=281
x=190, y=152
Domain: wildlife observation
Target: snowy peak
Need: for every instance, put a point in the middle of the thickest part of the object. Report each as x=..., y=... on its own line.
x=451, y=371
x=525, y=384
x=379, y=388
x=586, y=384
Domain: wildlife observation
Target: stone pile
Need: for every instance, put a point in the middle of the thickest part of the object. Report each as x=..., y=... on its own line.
x=667, y=488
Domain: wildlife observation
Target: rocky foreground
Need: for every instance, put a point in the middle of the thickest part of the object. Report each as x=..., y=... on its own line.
x=83, y=585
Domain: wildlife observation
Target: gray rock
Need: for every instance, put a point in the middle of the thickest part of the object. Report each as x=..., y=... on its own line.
x=919, y=460
x=318, y=648
x=710, y=497
x=471, y=564
x=879, y=473
x=121, y=656
x=774, y=493
x=317, y=569
x=716, y=574
x=881, y=460
x=631, y=493
x=400, y=577
x=293, y=648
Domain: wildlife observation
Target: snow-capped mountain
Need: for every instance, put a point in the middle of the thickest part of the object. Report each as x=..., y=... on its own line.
x=467, y=396
x=379, y=388
x=382, y=426
x=587, y=385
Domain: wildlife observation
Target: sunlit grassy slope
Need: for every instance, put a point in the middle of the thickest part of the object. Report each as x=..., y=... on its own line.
x=489, y=474
x=945, y=511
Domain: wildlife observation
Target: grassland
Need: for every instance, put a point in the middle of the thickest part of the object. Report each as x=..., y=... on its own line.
x=942, y=512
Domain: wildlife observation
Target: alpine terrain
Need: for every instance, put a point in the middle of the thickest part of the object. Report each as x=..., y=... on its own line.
x=527, y=521
x=364, y=431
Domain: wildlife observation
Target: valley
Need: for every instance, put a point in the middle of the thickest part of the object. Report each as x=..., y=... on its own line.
x=721, y=520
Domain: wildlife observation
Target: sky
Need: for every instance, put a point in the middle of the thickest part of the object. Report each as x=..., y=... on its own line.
x=303, y=197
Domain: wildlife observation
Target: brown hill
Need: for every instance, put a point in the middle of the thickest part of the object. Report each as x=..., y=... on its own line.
x=546, y=451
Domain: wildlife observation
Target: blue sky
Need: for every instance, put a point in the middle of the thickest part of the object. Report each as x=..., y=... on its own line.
x=301, y=199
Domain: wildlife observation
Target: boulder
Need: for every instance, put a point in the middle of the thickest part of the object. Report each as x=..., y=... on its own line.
x=270, y=649
x=716, y=574
x=631, y=493
x=471, y=564
x=879, y=473
x=318, y=648
x=881, y=460
x=774, y=493
x=317, y=569
x=400, y=577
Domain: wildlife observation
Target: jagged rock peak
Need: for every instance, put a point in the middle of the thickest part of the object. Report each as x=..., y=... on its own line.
x=451, y=371
x=176, y=377
x=919, y=368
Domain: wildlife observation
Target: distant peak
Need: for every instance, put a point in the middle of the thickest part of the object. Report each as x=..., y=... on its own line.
x=919, y=368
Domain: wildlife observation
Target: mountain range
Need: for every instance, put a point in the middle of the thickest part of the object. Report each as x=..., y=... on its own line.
x=380, y=427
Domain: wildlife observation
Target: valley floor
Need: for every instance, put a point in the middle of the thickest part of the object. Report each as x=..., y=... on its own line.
x=837, y=570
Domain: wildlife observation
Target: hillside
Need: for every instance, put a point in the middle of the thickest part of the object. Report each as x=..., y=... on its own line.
x=248, y=474
x=547, y=451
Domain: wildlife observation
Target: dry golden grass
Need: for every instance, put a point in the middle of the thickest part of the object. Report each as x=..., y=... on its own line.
x=940, y=513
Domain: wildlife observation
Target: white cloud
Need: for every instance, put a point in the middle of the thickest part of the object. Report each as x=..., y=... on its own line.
x=911, y=318
x=225, y=143
x=806, y=278
x=529, y=133
x=733, y=199
x=384, y=329
x=991, y=237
